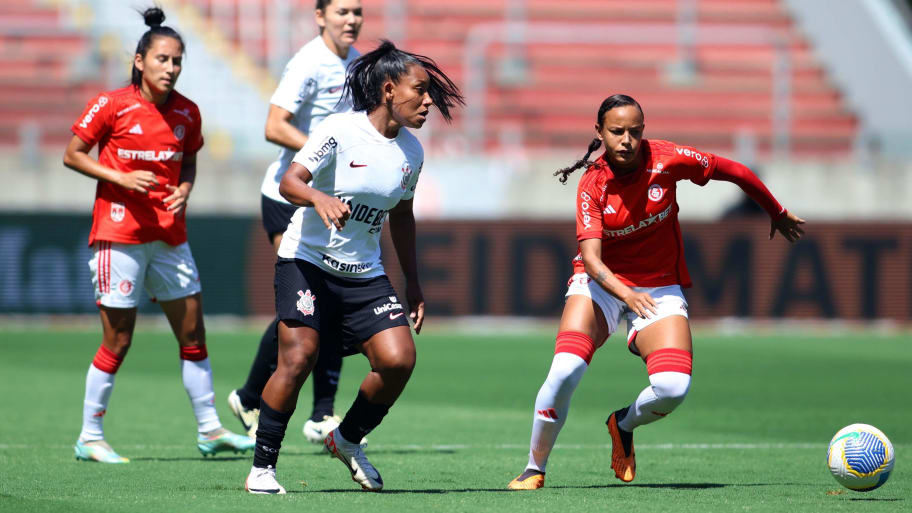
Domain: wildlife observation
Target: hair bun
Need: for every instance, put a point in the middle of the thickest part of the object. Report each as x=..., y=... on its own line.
x=154, y=16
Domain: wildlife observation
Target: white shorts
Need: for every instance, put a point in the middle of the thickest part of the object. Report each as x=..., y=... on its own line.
x=119, y=271
x=669, y=301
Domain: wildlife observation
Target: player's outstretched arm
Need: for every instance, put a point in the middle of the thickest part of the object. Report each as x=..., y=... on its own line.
x=294, y=188
x=76, y=157
x=402, y=232
x=640, y=303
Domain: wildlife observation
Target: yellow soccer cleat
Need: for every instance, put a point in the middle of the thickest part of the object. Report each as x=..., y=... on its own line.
x=528, y=480
x=623, y=458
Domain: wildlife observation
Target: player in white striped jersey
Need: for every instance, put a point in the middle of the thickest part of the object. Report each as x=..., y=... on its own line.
x=309, y=91
x=356, y=170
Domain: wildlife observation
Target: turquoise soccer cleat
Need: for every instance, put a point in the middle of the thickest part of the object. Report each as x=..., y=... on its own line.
x=222, y=440
x=97, y=450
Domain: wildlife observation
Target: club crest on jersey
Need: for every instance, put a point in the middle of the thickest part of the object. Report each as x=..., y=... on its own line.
x=406, y=176
x=656, y=192
x=179, y=131
x=118, y=212
x=126, y=286
x=305, y=302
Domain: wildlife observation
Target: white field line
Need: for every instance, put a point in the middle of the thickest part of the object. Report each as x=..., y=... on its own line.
x=510, y=447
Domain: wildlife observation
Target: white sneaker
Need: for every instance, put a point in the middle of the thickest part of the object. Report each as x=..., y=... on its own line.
x=263, y=481
x=249, y=418
x=353, y=457
x=316, y=432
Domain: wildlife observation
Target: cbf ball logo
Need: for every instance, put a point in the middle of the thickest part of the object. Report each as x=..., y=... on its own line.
x=406, y=175
x=179, y=131
x=656, y=192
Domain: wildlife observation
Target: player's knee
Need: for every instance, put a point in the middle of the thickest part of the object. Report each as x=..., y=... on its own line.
x=670, y=388
x=297, y=363
x=566, y=371
x=119, y=343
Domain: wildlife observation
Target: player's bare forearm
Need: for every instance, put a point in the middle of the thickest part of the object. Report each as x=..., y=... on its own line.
x=77, y=158
x=187, y=174
x=279, y=129
x=294, y=188
x=402, y=233
x=591, y=251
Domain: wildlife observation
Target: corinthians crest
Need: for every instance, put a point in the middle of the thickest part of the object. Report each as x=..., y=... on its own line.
x=306, y=302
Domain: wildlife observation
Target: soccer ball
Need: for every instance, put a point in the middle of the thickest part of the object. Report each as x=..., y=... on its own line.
x=860, y=457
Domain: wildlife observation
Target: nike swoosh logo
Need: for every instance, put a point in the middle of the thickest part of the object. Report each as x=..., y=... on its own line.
x=393, y=317
x=352, y=164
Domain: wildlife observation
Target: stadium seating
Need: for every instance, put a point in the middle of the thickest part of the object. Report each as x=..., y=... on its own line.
x=550, y=104
x=43, y=84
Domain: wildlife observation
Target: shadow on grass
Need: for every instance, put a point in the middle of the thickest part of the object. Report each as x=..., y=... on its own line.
x=219, y=459
x=874, y=499
x=441, y=491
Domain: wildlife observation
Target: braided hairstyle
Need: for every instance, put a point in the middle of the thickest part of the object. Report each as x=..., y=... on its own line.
x=616, y=100
x=154, y=17
x=367, y=73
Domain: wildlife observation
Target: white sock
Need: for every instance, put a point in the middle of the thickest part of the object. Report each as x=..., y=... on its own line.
x=666, y=391
x=198, y=384
x=99, y=385
x=552, y=406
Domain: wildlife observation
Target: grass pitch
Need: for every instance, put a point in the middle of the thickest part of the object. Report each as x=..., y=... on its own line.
x=751, y=436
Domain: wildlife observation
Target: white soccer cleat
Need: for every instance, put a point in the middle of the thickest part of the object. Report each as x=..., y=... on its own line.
x=249, y=418
x=316, y=432
x=352, y=455
x=263, y=481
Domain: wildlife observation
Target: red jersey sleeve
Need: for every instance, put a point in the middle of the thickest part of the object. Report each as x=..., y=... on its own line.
x=589, y=205
x=96, y=121
x=691, y=164
x=194, y=139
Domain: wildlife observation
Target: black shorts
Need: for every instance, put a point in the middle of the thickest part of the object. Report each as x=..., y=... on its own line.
x=276, y=216
x=346, y=311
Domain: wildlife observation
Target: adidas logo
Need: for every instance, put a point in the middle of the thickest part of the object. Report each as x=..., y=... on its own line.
x=609, y=210
x=136, y=129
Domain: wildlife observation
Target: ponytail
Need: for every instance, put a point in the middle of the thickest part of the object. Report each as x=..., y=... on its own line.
x=583, y=162
x=367, y=73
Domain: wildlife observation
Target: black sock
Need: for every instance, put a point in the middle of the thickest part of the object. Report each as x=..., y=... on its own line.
x=326, y=381
x=264, y=364
x=269, y=436
x=362, y=418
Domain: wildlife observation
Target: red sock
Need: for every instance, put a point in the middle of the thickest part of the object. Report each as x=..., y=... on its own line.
x=194, y=353
x=669, y=360
x=576, y=343
x=107, y=361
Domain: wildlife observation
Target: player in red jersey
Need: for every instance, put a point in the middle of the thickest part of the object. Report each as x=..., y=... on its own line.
x=148, y=135
x=631, y=265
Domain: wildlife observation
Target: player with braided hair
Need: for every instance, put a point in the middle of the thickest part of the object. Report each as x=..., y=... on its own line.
x=630, y=265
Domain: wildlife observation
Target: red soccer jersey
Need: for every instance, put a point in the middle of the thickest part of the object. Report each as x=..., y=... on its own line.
x=636, y=215
x=134, y=134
